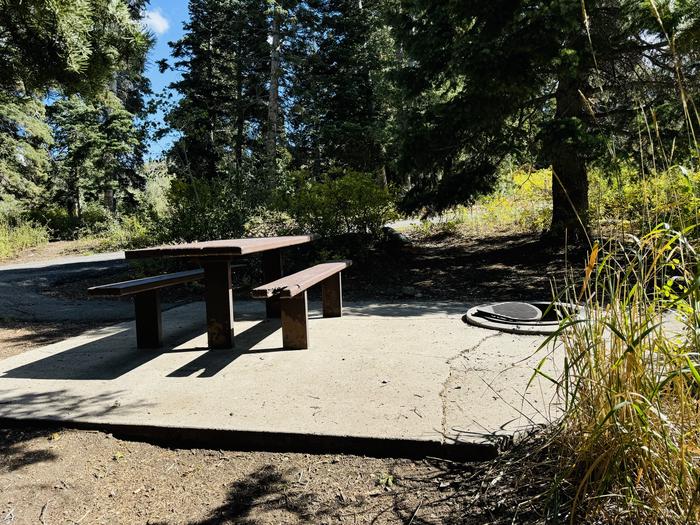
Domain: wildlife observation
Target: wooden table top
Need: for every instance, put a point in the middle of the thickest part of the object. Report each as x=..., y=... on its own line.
x=220, y=248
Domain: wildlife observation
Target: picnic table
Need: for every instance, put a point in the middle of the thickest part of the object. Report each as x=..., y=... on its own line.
x=216, y=257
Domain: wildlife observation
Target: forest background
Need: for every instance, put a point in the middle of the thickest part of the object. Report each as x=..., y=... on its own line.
x=335, y=117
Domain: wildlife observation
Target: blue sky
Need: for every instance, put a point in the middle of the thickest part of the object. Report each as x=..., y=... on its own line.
x=164, y=19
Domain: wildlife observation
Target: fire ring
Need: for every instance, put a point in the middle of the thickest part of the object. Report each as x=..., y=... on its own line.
x=528, y=318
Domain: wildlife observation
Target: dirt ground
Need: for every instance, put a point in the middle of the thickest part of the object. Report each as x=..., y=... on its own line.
x=50, y=476
x=52, y=250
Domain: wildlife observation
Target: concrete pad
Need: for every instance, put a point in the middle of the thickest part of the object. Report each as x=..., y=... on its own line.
x=401, y=379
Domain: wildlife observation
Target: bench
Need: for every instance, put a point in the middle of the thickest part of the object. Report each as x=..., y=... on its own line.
x=146, y=294
x=291, y=290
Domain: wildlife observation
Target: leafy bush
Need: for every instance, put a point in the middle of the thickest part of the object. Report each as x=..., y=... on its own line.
x=522, y=202
x=95, y=220
x=56, y=220
x=637, y=202
x=341, y=202
x=20, y=236
x=128, y=232
x=269, y=223
x=203, y=209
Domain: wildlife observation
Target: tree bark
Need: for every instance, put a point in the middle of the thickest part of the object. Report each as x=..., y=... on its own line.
x=240, y=115
x=273, y=104
x=569, y=174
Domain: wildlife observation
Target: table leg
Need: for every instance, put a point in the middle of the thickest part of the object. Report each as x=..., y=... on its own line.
x=272, y=270
x=219, y=302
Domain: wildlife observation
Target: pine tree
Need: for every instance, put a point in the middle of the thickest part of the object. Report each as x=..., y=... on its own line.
x=222, y=113
x=339, y=59
x=561, y=80
x=59, y=48
x=74, y=44
x=95, y=142
x=24, y=147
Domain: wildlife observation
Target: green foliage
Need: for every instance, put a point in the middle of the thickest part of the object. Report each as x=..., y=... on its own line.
x=24, y=146
x=221, y=113
x=340, y=58
x=341, y=202
x=202, y=209
x=560, y=83
x=127, y=233
x=20, y=236
x=73, y=44
x=95, y=150
x=627, y=201
x=270, y=223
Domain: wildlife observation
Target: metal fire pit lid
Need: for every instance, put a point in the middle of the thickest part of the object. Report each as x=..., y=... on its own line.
x=533, y=318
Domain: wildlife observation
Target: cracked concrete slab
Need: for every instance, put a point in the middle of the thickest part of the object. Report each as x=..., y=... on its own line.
x=394, y=379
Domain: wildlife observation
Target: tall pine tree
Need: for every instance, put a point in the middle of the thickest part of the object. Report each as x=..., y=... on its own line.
x=484, y=77
x=221, y=115
x=339, y=58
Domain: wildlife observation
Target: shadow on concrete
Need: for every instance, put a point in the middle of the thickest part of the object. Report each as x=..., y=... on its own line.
x=405, y=309
x=112, y=356
x=64, y=405
x=105, y=358
x=214, y=361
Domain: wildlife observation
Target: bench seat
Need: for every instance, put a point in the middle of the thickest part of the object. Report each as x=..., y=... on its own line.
x=146, y=294
x=291, y=289
x=126, y=288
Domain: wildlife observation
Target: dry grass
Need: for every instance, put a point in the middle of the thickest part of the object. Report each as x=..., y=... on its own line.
x=629, y=444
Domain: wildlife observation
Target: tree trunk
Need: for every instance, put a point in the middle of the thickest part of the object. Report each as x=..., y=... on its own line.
x=273, y=105
x=569, y=175
x=240, y=114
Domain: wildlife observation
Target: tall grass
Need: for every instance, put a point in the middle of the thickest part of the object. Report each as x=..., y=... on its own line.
x=21, y=236
x=629, y=443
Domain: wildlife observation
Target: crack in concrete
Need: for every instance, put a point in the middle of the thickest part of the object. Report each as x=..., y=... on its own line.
x=446, y=383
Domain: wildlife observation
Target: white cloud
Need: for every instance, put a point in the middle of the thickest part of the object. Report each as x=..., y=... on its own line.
x=154, y=20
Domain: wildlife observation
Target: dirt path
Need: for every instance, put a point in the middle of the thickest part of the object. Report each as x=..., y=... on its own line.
x=54, y=250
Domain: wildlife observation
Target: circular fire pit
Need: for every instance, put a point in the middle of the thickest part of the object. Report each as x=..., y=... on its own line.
x=533, y=318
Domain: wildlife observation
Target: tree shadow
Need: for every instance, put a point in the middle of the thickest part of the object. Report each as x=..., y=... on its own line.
x=494, y=267
x=267, y=490
x=41, y=334
x=16, y=454
x=59, y=405
x=105, y=358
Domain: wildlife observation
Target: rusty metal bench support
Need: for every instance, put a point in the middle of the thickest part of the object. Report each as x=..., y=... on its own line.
x=295, y=326
x=332, y=295
x=149, y=321
x=295, y=312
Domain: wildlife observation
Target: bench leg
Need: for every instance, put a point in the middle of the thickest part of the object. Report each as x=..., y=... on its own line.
x=149, y=325
x=272, y=270
x=295, y=330
x=219, y=303
x=332, y=294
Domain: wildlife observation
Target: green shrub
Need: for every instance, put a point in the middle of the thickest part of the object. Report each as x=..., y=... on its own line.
x=202, y=210
x=128, y=232
x=269, y=223
x=21, y=236
x=522, y=202
x=95, y=220
x=634, y=202
x=341, y=202
x=60, y=225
